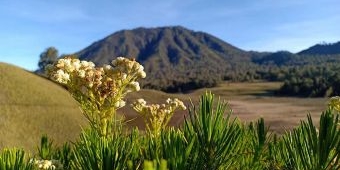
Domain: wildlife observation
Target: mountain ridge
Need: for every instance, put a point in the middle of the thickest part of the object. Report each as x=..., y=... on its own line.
x=175, y=55
x=177, y=59
x=152, y=36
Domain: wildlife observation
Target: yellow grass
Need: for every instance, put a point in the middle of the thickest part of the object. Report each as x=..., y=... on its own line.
x=31, y=106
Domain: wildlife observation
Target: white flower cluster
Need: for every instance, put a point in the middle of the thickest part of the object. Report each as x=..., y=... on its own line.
x=157, y=116
x=334, y=103
x=107, y=82
x=47, y=164
x=176, y=103
x=99, y=90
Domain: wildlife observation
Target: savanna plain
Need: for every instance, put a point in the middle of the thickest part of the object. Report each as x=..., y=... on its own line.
x=247, y=102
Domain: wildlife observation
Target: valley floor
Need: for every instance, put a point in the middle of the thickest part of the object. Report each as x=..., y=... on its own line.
x=249, y=101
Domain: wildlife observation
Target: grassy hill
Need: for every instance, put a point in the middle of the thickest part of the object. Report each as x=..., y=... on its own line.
x=31, y=106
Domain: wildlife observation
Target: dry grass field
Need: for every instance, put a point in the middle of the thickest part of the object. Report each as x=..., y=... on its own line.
x=248, y=101
x=31, y=106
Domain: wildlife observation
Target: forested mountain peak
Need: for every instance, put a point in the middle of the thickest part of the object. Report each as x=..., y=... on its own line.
x=172, y=56
x=175, y=44
x=177, y=59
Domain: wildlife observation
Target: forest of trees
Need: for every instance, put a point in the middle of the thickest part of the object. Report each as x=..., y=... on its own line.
x=303, y=75
x=317, y=80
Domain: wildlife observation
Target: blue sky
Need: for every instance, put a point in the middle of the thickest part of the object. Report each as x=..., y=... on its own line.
x=28, y=27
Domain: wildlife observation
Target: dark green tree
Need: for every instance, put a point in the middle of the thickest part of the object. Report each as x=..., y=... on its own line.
x=49, y=56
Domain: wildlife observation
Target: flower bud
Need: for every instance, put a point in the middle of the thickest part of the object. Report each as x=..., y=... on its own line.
x=141, y=101
x=142, y=74
x=84, y=64
x=91, y=64
x=122, y=103
x=76, y=64
x=107, y=68
x=62, y=77
x=124, y=76
x=119, y=104
x=81, y=73
x=135, y=86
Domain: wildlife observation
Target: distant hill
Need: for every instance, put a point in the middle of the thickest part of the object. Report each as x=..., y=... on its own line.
x=322, y=49
x=278, y=58
x=175, y=58
x=31, y=106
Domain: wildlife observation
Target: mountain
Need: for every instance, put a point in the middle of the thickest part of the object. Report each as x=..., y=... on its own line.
x=278, y=58
x=31, y=106
x=322, y=49
x=175, y=58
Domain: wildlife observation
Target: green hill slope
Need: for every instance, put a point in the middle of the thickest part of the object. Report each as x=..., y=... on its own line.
x=31, y=106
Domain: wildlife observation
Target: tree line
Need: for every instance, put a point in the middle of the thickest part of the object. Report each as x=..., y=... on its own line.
x=302, y=75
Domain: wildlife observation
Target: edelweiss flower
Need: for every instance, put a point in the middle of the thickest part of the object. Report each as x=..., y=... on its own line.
x=141, y=102
x=76, y=64
x=47, y=164
x=157, y=116
x=98, y=88
x=135, y=86
x=107, y=68
x=334, y=103
x=120, y=104
x=81, y=73
x=62, y=77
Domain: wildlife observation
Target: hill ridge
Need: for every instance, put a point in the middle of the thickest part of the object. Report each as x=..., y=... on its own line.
x=322, y=49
